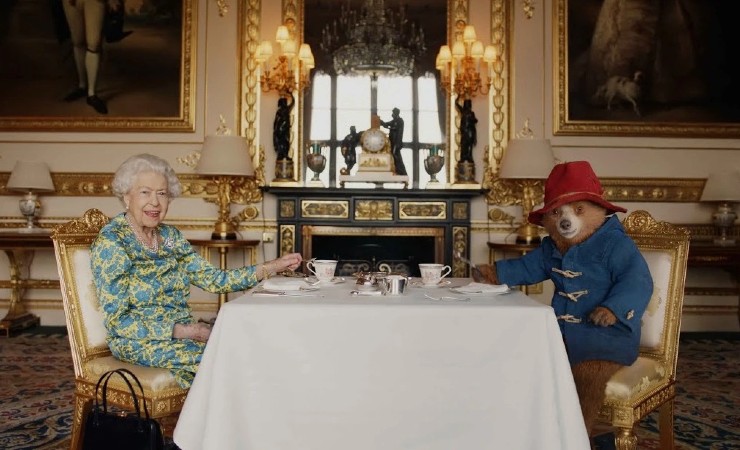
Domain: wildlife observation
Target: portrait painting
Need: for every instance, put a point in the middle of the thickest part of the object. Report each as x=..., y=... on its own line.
x=96, y=65
x=647, y=68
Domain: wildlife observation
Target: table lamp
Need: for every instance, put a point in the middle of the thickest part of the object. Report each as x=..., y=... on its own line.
x=30, y=177
x=723, y=188
x=226, y=158
x=527, y=160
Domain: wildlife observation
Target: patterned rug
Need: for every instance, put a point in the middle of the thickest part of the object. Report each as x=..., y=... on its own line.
x=36, y=392
x=37, y=385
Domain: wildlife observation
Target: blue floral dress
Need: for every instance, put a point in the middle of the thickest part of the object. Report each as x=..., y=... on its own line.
x=143, y=294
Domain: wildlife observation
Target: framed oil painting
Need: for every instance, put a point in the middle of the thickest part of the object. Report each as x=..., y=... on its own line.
x=97, y=65
x=646, y=68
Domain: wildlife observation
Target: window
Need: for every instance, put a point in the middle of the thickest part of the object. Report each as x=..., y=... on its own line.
x=339, y=102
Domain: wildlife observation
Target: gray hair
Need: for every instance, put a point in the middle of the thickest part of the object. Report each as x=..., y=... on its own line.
x=127, y=172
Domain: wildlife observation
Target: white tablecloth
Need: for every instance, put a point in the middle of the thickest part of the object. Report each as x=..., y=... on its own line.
x=383, y=373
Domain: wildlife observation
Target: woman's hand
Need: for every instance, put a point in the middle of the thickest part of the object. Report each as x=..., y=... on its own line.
x=196, y=331
x=290, y=261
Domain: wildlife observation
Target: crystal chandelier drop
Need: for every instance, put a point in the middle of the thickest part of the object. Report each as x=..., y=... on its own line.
x=373, y=40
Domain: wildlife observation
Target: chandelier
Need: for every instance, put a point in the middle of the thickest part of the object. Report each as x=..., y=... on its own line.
x=460, y=66
x=290, y=71
x=373, y=40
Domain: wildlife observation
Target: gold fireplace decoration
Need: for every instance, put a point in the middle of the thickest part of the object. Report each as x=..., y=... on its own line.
x=374, y=210
x=325, y=209
x=670, y=190
x=422, y=210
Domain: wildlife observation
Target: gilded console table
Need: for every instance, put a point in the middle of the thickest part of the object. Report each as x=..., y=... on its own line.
x=519, y=249
x=223, y=246
x=705, y=253
x=20, y=248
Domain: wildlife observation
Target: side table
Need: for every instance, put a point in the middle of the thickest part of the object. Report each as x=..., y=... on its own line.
x=705, y=253
x=223, y=246
x=19, y=247
x=520, y=249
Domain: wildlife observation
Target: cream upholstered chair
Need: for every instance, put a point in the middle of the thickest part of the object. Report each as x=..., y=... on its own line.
x=648, y=384
x=90, y=354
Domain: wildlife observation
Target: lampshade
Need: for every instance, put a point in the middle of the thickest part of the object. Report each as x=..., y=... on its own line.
x=527, y=158
x=722, y=186
x=224, y=155
x=30, y=176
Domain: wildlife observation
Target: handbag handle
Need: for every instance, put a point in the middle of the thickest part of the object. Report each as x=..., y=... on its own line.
x=122, y=373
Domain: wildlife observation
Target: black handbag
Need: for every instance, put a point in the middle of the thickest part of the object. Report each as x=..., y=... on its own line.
x=116, y=430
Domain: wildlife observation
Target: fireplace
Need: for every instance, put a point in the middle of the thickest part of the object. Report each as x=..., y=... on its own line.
x=374, y=248
x=367, y=228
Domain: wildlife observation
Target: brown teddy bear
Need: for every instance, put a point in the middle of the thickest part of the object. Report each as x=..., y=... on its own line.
x=602, y=282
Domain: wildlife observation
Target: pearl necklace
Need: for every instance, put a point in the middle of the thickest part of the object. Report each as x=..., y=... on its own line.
x=154, y=246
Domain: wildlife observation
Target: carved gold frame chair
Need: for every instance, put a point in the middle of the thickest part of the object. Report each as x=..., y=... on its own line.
x=87, y=334
x=650, y=383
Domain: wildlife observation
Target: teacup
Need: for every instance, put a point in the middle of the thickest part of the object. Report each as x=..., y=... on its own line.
x=323, y=269
x=432, y=274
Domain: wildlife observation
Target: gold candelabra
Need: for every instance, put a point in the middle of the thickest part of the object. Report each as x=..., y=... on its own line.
x=460, y=65
x=291, y=69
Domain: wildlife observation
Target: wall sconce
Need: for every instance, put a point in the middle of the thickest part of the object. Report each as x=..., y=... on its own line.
x=226, y=158
x=460, y=65
x=288, y=73
x=723, y=188
x=30, y=177
x=460, y=68
x=528, y=161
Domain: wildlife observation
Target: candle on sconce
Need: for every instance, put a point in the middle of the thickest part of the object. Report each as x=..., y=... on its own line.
x=434, y=150
x=315, y=148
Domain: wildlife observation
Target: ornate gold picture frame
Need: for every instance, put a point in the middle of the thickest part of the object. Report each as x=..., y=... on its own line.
x=643, y=68
x=145, y=60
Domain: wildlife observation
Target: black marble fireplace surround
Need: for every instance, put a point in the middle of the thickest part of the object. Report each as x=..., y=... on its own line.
x=366, y=229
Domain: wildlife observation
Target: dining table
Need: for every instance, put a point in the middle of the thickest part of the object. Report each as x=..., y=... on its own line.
x=331, y=367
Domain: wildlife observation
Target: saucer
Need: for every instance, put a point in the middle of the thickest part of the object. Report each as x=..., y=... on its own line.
x=313, y=281
x=441, y=284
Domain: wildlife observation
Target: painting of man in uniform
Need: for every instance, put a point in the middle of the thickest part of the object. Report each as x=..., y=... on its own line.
x=91, y=58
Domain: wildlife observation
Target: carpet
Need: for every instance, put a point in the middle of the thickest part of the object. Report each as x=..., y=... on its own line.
x=36, y=391
x=37, y=388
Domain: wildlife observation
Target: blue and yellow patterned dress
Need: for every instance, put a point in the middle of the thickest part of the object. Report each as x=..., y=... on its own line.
x=144, y=293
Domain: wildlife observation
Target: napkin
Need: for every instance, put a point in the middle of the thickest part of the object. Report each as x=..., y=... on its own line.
x=284, y=284
x=483, y=288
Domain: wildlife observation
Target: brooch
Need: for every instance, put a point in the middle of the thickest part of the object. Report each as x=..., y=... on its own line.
x=630, y=314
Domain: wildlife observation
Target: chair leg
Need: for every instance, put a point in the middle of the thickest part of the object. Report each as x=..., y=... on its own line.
x=82, y=405
x=665, y=425
x=626, y=440
x=168, y=424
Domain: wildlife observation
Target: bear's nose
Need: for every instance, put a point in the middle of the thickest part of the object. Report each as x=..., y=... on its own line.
x=565, y=224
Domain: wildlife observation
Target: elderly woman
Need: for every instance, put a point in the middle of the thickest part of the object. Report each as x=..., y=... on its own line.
x=143, y=270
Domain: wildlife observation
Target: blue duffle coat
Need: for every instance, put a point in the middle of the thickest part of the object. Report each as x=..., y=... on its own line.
x=607, y=270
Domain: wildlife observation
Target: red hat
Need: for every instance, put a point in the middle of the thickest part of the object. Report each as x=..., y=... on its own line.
x=570, y=182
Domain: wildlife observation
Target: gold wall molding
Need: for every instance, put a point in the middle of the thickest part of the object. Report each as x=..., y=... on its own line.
x=674, y=190
x=498, y=96
x=245, y=190
x=223, y=7
x=528, y=8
